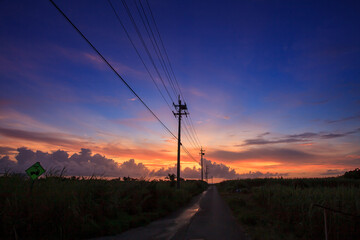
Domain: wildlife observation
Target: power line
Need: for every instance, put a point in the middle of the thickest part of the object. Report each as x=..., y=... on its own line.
x=170, y=65
x=145, y=46
x=120, y=77
x=137, y=52
x=162, y=43
x=158, y=51
x=189, y=136
x=111, y=67
x=194, y=131
x=189, y=154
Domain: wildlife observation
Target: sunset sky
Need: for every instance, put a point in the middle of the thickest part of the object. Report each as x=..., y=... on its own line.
x=272, y=87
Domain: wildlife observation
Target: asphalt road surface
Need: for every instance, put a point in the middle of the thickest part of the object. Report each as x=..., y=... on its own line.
x=207, y=217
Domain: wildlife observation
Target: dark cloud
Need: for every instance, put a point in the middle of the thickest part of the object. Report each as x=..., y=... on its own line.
x=259, y=174
x=355, y=117
x=85, y=163
x=52, y=138
x=304, y=135
x=217, y=170
x=261, y=141
x=353, y=162
x=294, y=138
x=6, y=164
x=333, y=172
x=263, y=134
x=6, y=150
x=280, y=154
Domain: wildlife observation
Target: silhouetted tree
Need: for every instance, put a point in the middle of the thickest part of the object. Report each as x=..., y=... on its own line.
x=171, y=177
x=355, y=174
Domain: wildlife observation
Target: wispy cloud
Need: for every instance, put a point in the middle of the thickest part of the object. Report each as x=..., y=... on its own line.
x=333, y=172
x=284, y=155
x=260, y=141
x=294, y=138
x=355, y=117
x=52, y=138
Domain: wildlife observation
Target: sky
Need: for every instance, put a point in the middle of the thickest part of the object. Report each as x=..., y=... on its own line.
x=272, y=87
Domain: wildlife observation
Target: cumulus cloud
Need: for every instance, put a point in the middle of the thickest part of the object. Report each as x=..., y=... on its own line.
x=6, y=150
x=217, y=170
x=85, y=163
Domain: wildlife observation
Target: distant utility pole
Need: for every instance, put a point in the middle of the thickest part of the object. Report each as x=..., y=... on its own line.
x=181, y=110
x=206, y=172
x=202, y=171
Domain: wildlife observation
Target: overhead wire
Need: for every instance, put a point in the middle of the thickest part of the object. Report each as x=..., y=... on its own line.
x=121, y=78
x=171, y=68
x=156, y=46
x=189, y=137
x=145, y=46
x=112, y=68
x=138, y=53
x=162, y=43
x=188, y=133
x=189, y=154
x=192, y=128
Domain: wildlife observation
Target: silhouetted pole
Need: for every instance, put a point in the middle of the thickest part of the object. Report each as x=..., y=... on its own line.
x=180, y=108
x=206, y=173
x=202, y=171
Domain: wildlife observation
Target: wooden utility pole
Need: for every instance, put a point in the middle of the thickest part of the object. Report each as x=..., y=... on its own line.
x=181, y=110
x=202, y=164
x=206, y=172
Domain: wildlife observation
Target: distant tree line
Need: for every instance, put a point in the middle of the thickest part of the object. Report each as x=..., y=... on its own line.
x=354, y=174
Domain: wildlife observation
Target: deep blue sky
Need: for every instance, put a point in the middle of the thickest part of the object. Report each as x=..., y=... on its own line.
x=265, y=71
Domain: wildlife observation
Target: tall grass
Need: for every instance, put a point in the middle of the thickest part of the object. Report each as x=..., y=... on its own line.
x=74, y=208
x=283, y=208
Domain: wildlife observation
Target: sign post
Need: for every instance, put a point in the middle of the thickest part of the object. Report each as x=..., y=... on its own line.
x=34, y=172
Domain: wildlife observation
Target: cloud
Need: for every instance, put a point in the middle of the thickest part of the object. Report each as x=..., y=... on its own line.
x=6, y=150
x=302, y=137
x=355, y=117
x=85, y=163
x=278, y=154
x=332, y=172
x=52, y=138
x=260, y=141
x=6, y=164
x=223, y=171
x=263, y=134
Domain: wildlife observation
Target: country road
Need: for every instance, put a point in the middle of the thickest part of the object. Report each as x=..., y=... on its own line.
x=207, y=217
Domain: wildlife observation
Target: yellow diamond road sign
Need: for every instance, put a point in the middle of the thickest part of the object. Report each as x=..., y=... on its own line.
x=35, y=171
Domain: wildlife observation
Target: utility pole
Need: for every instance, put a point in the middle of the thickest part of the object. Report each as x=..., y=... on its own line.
x=202, y=171
x=206, y=173
x=181, y=110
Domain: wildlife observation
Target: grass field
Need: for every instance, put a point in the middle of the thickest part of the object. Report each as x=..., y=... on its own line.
x=75, y=208
x=284, y=208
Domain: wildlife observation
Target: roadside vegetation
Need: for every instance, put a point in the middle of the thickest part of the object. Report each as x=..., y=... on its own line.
x=288, y=208
x=55, y=207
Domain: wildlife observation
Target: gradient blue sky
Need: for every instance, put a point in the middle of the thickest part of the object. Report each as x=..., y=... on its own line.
x=271, y=85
